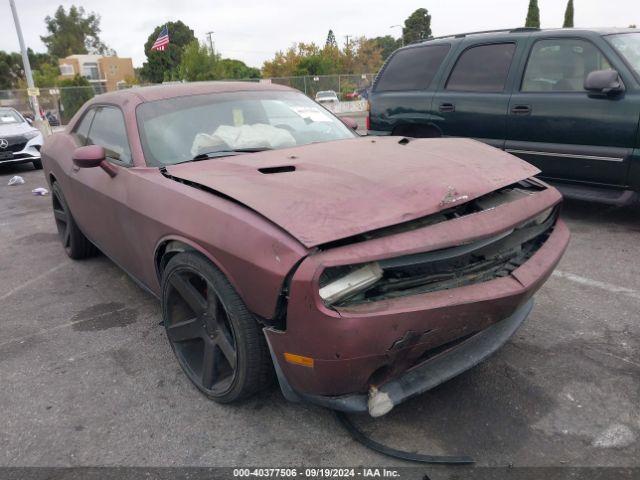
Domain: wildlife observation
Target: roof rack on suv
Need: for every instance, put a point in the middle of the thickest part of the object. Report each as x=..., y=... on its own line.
x=462, y=35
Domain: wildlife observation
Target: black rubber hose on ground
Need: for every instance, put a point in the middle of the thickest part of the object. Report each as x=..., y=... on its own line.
x=359, y=436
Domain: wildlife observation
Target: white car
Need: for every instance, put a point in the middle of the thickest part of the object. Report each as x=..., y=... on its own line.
x=19, y=141
x=327, y=96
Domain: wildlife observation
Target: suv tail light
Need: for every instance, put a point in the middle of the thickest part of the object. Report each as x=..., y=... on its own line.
x=368, y=117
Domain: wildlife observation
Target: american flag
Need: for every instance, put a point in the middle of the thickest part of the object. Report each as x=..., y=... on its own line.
x=162, y=41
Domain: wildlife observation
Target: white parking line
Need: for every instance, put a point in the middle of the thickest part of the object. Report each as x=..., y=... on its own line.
x=32, y=281
x=609, y=287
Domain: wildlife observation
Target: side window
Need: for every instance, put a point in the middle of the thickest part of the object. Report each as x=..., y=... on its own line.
x=81, y=132
x=561, y=65
x=482, y=69
x=108, y=130
x=412, y=69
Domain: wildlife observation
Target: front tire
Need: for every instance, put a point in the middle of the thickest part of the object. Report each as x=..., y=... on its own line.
x=217, y=341
x=37, y=164
x=75, y=244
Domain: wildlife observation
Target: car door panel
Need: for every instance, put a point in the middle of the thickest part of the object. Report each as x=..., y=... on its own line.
x=477, y=108
x=403, y=92
x=581, y=160
x=567, y=132
x=97, y=195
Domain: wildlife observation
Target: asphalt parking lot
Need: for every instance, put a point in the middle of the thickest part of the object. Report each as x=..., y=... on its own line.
x=88, y=378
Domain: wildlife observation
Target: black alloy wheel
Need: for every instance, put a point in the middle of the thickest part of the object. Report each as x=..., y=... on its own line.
x=75, y=244
x=218, y=343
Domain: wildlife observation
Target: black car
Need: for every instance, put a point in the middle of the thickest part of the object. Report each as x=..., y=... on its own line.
x=566, y=100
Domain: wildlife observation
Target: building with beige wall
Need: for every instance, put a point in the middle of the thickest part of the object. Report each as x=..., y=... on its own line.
x=104, y=73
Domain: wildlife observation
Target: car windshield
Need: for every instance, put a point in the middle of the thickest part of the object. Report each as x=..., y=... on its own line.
x=628, y=45
x=9, y=116
x=181, y=129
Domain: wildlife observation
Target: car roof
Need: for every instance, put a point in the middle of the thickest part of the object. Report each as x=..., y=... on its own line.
x=162, y=92
x=535, y=32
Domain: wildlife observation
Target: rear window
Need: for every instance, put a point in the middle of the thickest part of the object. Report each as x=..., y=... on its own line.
x=412, y=69
x=482, y=69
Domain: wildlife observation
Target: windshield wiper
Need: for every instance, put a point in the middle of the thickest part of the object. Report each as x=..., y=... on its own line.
x=228, y=152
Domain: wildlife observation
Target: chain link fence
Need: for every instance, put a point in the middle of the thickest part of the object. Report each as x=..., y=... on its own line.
x=347, y=87
x=59, y=104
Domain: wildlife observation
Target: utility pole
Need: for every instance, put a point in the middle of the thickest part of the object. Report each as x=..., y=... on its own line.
x=348, y=37
x=26, y=65
x=401, y=36
x=210, y=41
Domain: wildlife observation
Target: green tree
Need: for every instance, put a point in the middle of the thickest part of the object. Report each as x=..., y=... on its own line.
x=417, y=26
x=533, y=15
x=45, y=69
x=74, y=92
x=331, y=40
x=198, y=63
x=359, y=56
x=568, y=15
x=163, y=65
x=10, y=70
x=75, y=32
x=368, y=58
x=46, y=75
x=387, y=45
x=235, y=69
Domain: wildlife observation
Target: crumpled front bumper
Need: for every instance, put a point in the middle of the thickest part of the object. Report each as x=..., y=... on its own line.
x=421, y=378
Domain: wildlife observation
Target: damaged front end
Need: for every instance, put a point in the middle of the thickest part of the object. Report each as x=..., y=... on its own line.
x=389, y=314
x=454, y=267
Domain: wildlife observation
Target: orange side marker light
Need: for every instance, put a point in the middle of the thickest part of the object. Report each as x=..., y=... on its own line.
x=298, y=359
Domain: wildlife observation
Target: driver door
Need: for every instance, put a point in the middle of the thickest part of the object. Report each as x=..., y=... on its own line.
x=555, y=124
x=99, y=201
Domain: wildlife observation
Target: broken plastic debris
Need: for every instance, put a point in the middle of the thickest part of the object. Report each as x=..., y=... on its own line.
x=379, y=402
x=16, y=180
x=39, y=191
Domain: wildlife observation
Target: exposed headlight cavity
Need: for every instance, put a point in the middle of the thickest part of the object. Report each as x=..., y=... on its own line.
x=349, y=284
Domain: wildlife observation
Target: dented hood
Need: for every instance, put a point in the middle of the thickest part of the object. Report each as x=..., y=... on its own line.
x=347, y=187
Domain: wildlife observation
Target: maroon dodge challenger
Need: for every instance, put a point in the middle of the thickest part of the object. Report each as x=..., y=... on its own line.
x=361, y=270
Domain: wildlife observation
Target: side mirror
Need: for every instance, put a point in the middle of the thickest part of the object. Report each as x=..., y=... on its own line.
x=603, y=81
x=88, y=156
x=350, y=122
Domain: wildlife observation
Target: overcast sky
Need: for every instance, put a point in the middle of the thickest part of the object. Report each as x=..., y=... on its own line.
x=253, y=30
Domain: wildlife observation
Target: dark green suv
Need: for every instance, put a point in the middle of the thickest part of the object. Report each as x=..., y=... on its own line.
x=567, y=101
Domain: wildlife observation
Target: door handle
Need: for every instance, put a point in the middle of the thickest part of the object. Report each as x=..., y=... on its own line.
x=521, y=110
x=447, y=107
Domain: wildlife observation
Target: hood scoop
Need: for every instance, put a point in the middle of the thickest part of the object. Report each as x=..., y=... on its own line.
x=280, y=169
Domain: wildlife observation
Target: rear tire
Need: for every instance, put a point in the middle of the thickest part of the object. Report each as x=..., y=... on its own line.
x=75, y=244
x=37, y=164
x=218, y=343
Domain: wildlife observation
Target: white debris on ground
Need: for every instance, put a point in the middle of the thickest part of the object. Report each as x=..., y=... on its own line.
x=40, y=191
x=16, y=180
